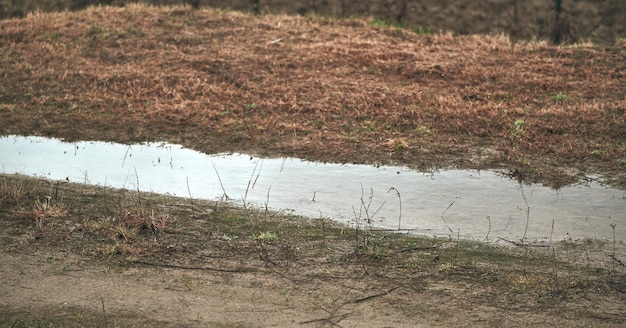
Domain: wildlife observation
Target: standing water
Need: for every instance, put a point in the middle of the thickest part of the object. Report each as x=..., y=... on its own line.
x=457, y=203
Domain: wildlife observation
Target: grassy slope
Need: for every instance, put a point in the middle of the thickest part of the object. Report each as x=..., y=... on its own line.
x=329, y=89
x=602, y=21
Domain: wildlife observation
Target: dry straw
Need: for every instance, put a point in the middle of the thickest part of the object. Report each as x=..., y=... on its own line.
x=326, y=87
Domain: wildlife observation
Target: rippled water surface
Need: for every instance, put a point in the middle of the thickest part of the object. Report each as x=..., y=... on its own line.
x=465, y=203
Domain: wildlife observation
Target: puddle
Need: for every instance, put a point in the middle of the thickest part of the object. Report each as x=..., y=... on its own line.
x=457, y=203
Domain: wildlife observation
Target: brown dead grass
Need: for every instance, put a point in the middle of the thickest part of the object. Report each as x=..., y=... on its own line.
x=334, y=90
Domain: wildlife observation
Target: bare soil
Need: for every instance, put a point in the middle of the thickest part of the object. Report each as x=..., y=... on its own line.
x=77, y=255
x=312, y=87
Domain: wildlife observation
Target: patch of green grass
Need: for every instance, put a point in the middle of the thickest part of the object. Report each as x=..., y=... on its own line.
x=265, y=237
x=395, y=25
x=598, y=153
x=518, y=127
x=559, y=98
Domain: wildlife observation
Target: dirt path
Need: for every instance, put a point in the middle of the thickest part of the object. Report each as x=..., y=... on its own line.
x=180, y=298
x=64, y=290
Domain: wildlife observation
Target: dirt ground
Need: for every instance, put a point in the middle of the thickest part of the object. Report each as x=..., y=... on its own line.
x=97, y=257
x=48, y=287
x=322, y=89
x=45, y=285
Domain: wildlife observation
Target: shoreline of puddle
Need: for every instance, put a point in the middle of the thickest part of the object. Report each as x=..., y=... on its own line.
x=470, y=204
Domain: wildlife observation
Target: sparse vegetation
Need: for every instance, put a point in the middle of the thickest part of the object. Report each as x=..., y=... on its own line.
x=331, y=90
x=566, y=276
x=265, y=237
x=391, y=25
x=559, y=97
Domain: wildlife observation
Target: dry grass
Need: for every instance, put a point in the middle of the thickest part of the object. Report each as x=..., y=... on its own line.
x=11, y=192
x=449, y=282
x=130, y=227
x=325, y=89
x=42, y=209
x=46, y=210
x=132, y=230
x=338, y=90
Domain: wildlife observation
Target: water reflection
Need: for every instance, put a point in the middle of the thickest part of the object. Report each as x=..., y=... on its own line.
x=463, y=203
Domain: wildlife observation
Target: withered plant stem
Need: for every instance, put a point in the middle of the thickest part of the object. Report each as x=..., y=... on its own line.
x=551, y=232
x=521, y=187
x=138, y=192
x=104, y=314
x=444, y=221
x=489, y=230
x=400, y=201
x=190, y=197
x=220, y=180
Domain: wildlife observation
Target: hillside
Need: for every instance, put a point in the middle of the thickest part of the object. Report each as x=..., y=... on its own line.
x=317, y=88
x=601, y=21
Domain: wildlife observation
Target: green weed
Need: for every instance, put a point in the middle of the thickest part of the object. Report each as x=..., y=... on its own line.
x=395, y=25
x=559, y=98
x=422, y=129
x=518, y=127
x=265, y=237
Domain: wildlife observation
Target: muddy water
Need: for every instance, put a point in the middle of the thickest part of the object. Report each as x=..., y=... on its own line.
x=480, y=205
